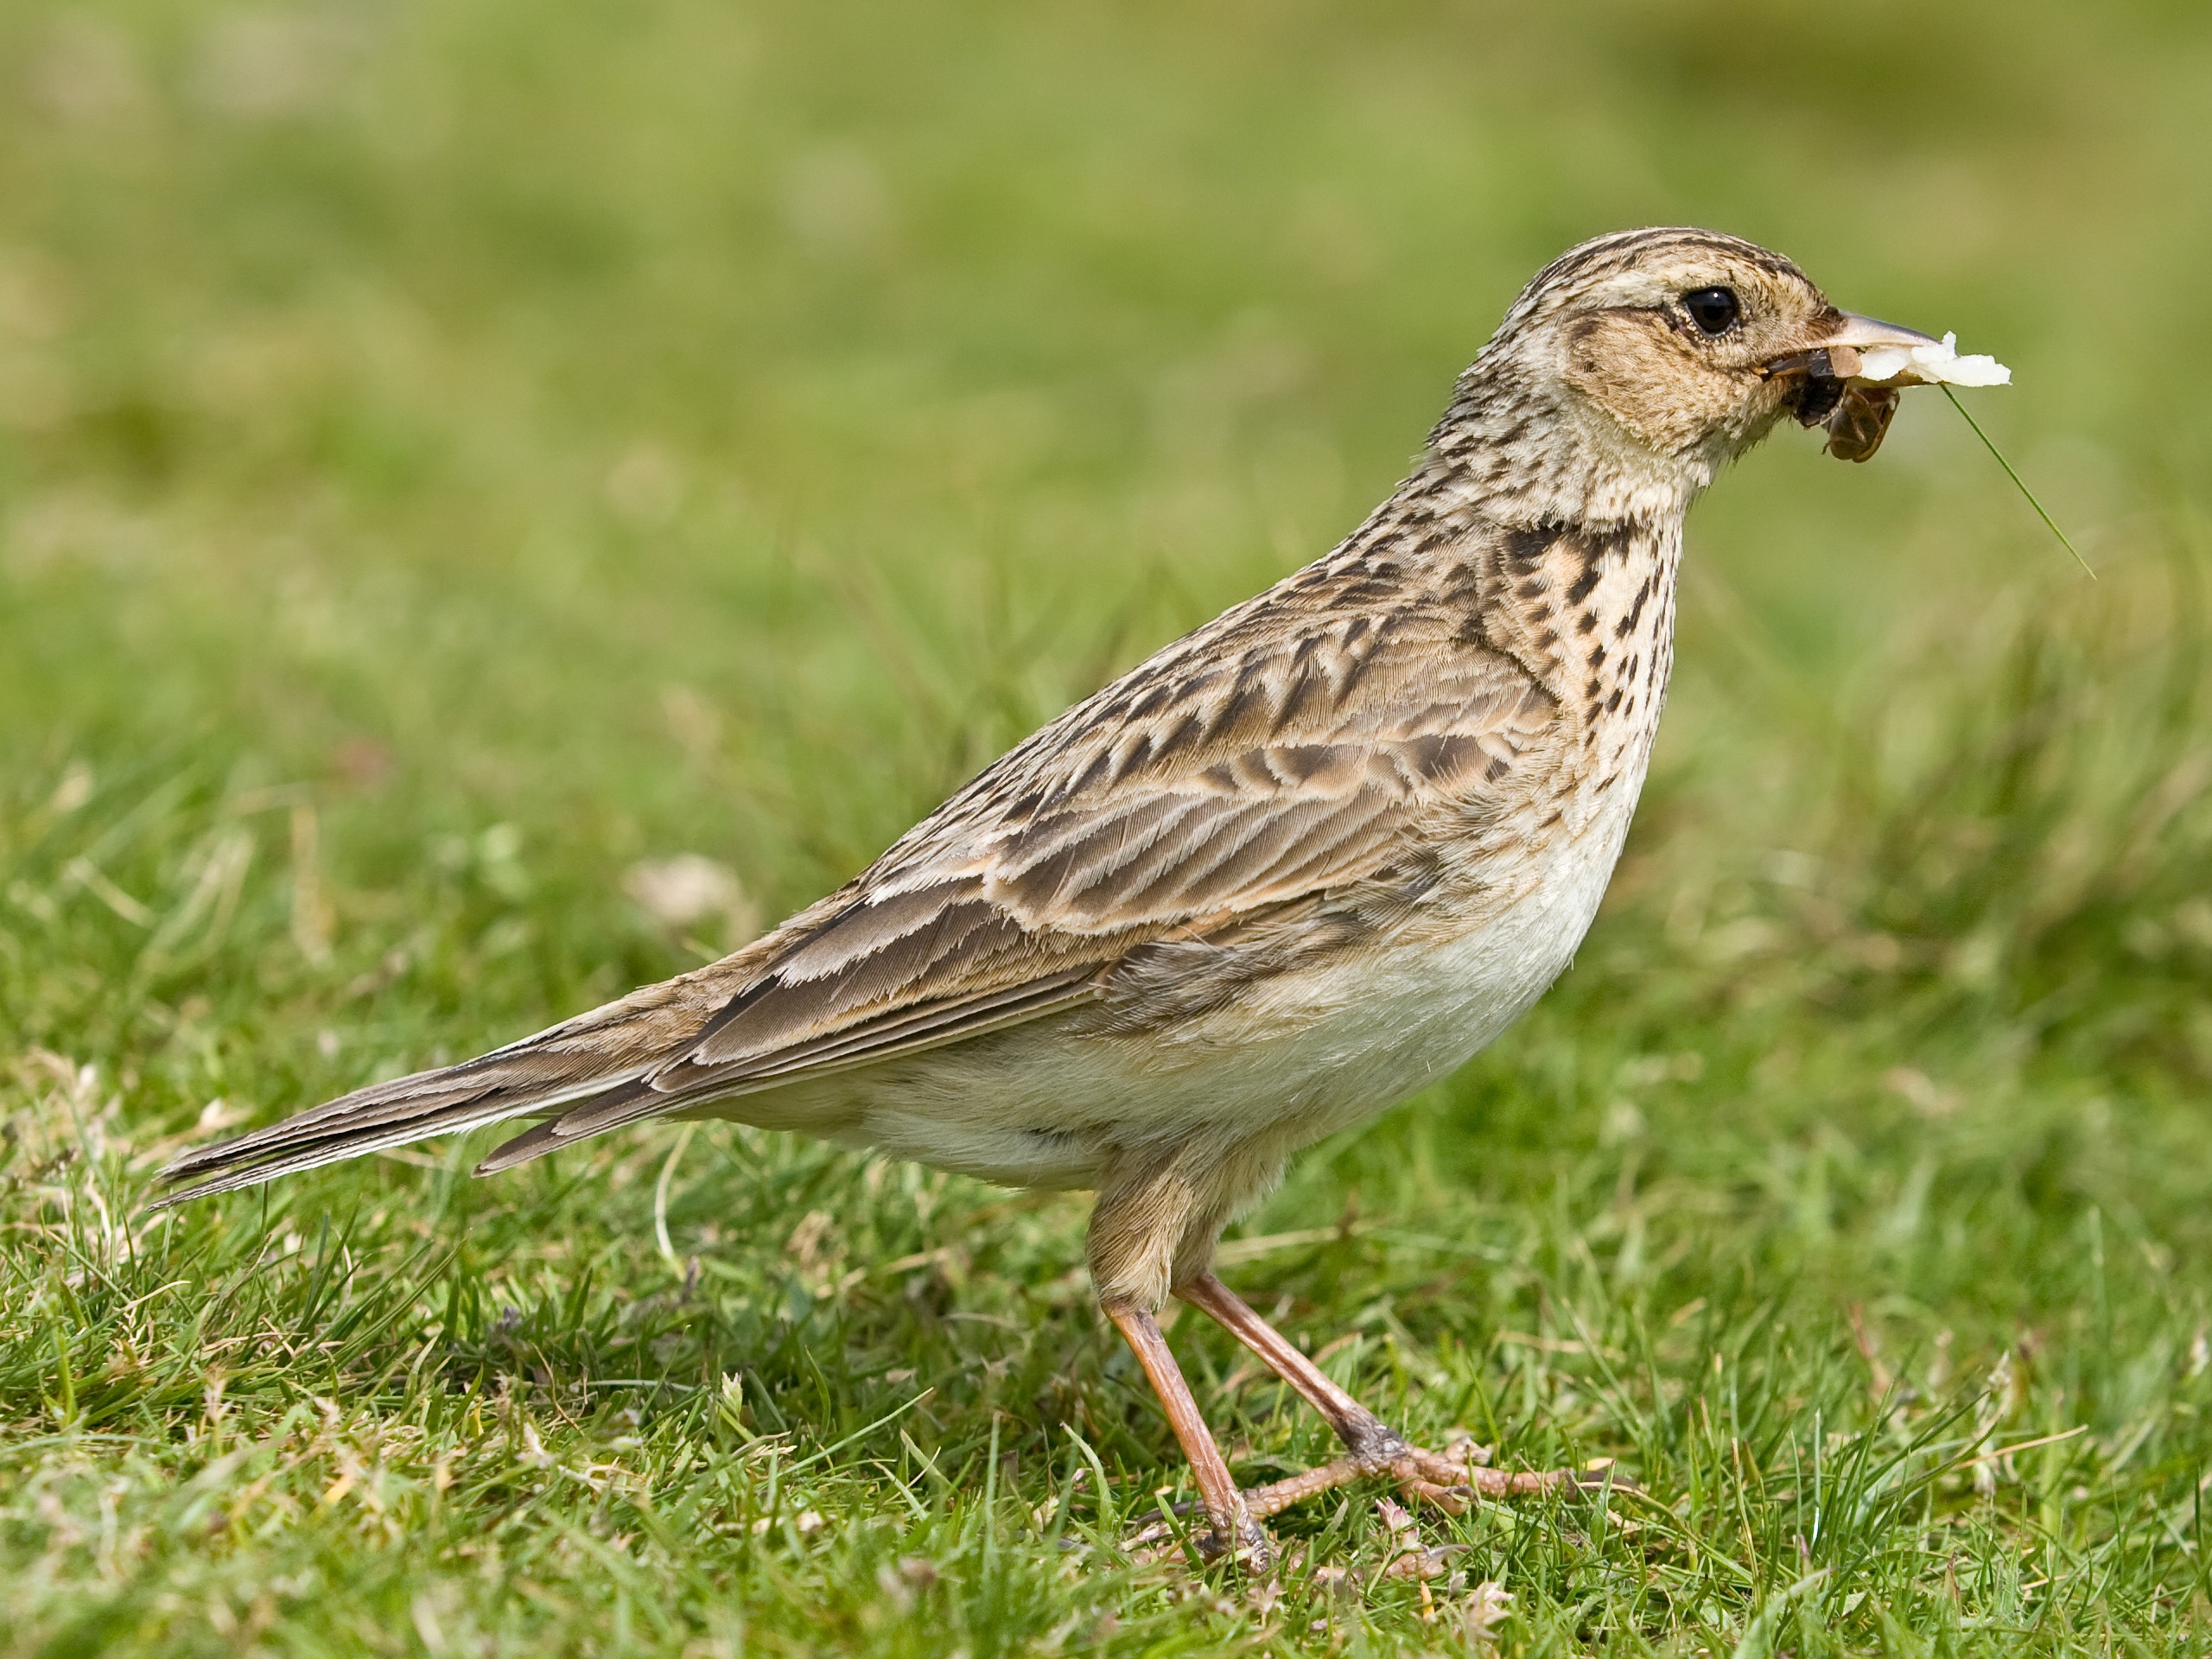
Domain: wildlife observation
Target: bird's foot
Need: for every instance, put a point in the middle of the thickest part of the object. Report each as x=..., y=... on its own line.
x=1449, y=1481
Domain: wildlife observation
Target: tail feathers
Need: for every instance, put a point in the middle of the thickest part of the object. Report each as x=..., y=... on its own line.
x=680, y=1087
x=620, y=1105
x=631, y=1059
x=642, y=1099
x=448, y=1101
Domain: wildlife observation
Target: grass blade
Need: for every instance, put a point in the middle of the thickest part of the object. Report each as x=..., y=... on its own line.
x=2020, y=483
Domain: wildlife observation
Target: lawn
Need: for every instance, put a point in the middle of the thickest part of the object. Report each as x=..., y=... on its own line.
x=455, y=457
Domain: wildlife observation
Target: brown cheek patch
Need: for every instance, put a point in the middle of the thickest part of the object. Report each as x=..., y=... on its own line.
x=1631, y=365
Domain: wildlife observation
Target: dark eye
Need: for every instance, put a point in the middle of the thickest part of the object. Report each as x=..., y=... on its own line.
x=1713, y=309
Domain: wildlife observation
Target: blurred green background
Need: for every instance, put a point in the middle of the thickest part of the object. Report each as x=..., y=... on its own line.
x=451, y=454
x=459, y=379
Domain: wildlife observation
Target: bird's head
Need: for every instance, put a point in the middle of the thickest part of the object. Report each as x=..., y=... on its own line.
x=1654, y=357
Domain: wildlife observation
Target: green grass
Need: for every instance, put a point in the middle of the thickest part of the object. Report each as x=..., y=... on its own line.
x=451, y=452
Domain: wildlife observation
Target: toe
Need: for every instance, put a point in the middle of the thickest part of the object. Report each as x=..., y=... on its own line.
x=1441, y=1467
x=1272, y=1500
x=1452, y=1500
x=1501, y=1483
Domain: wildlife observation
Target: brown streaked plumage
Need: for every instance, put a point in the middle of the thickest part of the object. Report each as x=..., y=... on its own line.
x=1292, y=868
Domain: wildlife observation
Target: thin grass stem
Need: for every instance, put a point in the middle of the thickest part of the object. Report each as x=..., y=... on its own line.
x=660, y=1196
x=1990, y=444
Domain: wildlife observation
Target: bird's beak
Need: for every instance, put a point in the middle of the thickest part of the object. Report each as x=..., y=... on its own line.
x=1840, y=336
x=1866, y=332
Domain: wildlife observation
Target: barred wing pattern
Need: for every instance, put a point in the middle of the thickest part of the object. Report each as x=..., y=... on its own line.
x=1239, y=771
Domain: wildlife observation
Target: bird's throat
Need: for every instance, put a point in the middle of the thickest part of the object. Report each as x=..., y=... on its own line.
x=1532, y=455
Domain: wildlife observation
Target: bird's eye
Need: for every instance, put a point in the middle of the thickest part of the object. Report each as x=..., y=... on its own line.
x=1715, y=310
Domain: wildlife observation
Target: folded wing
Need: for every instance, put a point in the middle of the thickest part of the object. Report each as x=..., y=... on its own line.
x=1204, y=788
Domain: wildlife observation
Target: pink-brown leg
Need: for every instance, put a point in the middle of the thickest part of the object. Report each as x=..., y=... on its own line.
x=1234, y=1529
x=1372, y=1447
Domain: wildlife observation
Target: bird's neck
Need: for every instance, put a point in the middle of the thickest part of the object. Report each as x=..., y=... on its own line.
x=1544, y=497
x=1532, y=453
x=1561, y=545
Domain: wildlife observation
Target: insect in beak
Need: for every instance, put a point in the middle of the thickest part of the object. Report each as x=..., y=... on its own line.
x=1856, y=415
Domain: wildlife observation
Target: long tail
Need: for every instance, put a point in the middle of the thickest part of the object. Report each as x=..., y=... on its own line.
x=642, y=1057
x=605, y=1051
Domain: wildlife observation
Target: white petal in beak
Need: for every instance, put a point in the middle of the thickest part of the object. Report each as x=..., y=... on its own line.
x=1874, y=352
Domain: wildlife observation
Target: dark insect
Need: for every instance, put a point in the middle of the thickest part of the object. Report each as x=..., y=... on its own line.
x=1861, y=417
x=1855, y=416
x=1819, y=399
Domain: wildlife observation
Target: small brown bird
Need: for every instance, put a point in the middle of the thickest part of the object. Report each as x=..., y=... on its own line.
x=1294, y=866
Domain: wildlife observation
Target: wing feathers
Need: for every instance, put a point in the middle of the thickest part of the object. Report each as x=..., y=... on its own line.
x=908, y=1032
x=1282, y=754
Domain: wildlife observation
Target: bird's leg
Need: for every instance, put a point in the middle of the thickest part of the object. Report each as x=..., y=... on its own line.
x=1234, y=1529
x=1371, y=1446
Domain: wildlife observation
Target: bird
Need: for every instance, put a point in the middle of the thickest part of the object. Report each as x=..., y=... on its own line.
x=1283, y=874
